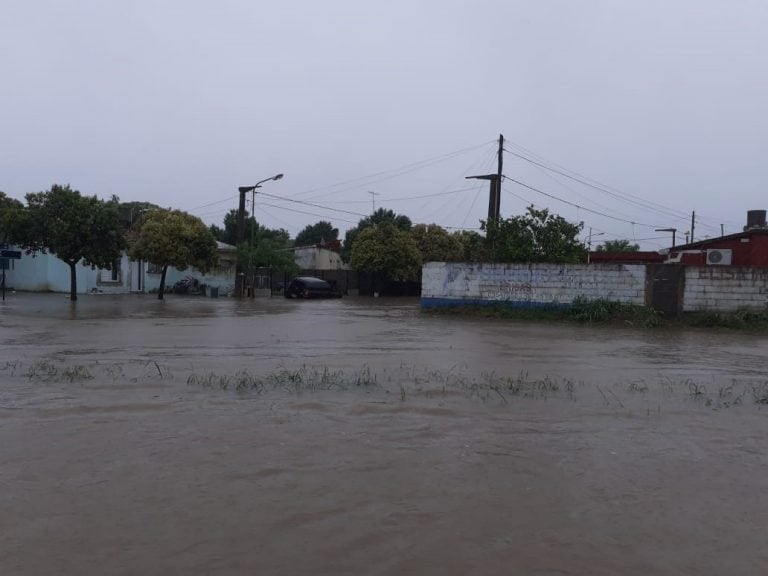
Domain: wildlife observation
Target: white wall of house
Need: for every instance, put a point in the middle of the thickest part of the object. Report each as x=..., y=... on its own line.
x=46, y=273
x=315, y=258
x=451, y=284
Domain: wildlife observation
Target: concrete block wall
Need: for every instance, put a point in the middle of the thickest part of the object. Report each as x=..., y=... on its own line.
x=724, y=288
x=523, y=285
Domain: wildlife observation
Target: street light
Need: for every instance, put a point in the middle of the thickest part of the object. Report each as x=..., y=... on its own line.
x=589, y=242
x=241, y=227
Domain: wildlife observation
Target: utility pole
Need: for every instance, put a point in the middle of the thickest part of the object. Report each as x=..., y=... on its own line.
x=722, y=230
x=693, y=223
x=494, y=195
x=239, y=276
x=373, y=200
x=499, y=177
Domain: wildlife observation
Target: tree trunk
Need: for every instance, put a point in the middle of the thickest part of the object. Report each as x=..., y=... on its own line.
x=72, y=281
x=162, y=283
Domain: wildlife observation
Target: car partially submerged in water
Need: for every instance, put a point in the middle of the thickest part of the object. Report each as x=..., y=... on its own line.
x=310, y=287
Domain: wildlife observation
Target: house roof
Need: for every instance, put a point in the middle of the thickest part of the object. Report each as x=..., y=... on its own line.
x=224, y=247
x=708, y=241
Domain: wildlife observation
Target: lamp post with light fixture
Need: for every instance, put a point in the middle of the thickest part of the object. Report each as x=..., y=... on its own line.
x=239, y=275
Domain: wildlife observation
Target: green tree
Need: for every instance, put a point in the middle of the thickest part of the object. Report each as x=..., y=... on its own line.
x=174, y=238
x=11, y=212
x=536, y=236
x=436, y=244
x=381, y=216
x=320, y=232
x=473, y=244
x=618, y=246
x=251, y=229
x=266, y=253
x=73, y=228
x=131, y=213
x=387, y=250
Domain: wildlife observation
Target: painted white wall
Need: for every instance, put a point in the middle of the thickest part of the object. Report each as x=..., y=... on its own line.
x=314, y=258
x=724, y=288
x=530, y=284
x=46, y=273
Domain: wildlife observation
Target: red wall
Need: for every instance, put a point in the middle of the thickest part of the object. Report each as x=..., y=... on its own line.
x=747, y=251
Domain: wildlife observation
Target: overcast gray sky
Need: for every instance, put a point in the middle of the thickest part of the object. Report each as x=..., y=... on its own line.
x=180, y=102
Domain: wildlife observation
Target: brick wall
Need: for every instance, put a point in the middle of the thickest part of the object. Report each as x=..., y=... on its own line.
x=724, y=288
x=522, y=285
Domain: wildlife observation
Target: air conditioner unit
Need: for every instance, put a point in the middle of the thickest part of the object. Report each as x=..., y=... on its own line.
x=719, y=257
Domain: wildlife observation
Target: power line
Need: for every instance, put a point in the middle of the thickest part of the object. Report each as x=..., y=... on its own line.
x=580, y=207
x=403, y=198
x=364, y=181
x=312, y=204
x=303, y=212
x=647, y=205
x=213, y=203
x=611, y=191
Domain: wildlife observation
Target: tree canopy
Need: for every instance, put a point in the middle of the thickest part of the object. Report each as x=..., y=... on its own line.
x=318, y=233
x=436, y=244
x=536, y=236
x=73, y=228
x=174, y=238
x=388, y=250
x=266, y=253
x=10, y=214
x=251, y=228
x=473, y=246
x=380, y=216
x=131, y=213
x=618, y=246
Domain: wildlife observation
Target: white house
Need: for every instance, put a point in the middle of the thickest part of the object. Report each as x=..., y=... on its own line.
x=46, y=273
x=316, y=257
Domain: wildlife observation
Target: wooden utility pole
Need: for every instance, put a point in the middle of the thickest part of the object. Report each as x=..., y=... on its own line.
x=499, y=178
x=693, y=223
x=494, y=193
x=239, y=277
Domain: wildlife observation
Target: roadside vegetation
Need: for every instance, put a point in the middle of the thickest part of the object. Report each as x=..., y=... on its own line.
x=405, y=383
x=581, y=311
x=606, y=312
x=751, y=320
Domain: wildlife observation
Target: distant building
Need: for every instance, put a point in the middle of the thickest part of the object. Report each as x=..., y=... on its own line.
x=747, y=248
x=319, y=257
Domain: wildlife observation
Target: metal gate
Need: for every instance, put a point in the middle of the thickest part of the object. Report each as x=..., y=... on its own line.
x=664, y=288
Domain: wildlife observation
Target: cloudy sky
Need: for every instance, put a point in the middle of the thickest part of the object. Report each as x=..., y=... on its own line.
x=661, y=106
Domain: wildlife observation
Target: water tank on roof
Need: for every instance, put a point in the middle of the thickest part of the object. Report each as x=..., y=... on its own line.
x=755, y=219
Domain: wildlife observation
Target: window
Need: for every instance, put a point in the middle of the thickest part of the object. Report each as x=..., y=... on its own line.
x=154, y=268
x=110, y=276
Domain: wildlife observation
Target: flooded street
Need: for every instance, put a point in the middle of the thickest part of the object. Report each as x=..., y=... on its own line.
x=361, y=436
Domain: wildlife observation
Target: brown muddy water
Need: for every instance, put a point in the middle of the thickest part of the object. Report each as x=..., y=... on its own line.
x=361, y=436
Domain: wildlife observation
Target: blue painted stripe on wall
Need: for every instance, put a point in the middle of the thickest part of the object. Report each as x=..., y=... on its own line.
x=455, y=302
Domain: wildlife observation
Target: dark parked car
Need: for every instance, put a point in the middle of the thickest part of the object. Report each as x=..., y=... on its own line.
x=310, y=287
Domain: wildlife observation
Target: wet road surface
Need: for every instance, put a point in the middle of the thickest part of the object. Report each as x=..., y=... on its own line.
x=361, y=436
